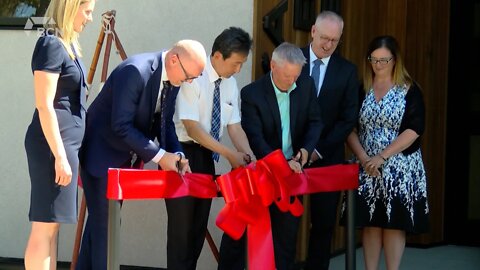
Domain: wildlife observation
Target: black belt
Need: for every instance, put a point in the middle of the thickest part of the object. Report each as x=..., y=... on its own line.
x=190, y=143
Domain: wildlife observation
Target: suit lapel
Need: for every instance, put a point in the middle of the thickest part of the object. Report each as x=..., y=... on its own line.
x=155, y=83
x=294, y=103
x=272, y=103
x=306, y=67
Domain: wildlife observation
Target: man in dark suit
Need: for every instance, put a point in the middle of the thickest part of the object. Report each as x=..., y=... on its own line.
x=279, y=111
x=135, y=106
x=337, y=87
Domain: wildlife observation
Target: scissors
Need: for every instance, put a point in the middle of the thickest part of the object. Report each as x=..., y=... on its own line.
x=248, y=160
x=178, y=168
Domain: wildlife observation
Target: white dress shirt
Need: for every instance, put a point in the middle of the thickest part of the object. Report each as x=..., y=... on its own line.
x=323, y=68
x=195, y=101
x=164, y=77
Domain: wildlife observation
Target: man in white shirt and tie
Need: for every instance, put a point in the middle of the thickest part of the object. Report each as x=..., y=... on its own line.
x=203, y=109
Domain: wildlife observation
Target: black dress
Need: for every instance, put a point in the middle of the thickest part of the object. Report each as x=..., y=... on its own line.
x=50, y=202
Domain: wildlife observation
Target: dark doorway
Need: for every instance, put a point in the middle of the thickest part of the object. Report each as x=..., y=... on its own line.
x=462, y=192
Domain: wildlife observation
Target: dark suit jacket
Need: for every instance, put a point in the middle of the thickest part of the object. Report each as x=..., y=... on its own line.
x=120, y=120
x=338, y=102
x=261, y=116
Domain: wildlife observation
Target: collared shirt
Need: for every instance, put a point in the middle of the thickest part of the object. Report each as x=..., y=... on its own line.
x=323, y=68
x=164, y=77
x=283, y=100
x=195, y=101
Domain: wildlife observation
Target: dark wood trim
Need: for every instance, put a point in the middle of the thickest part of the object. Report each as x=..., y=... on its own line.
x=422, y=29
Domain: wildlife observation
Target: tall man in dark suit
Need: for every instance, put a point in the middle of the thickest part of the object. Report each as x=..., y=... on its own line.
x=337, y=94
x=135, y=106
x=279, y=111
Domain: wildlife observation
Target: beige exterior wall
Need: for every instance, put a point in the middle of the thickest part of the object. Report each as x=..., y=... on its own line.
x=146, y=25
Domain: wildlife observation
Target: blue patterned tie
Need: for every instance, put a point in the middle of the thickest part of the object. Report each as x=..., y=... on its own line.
x=316, y=74
x=163, y=105
x=216, y=116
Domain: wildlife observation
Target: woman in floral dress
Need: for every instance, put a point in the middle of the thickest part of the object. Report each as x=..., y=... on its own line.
x=392, y=195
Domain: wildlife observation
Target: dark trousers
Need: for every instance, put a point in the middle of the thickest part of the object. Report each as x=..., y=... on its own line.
x=93, y=251
x=284, y=233
x=232, y=253
x=323, y=213
x=188, y=216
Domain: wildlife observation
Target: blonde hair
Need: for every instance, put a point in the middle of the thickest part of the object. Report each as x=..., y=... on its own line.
x=63, y=13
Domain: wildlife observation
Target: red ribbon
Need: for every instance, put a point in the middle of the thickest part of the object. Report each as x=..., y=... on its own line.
x=154, y=184
x=248, y=192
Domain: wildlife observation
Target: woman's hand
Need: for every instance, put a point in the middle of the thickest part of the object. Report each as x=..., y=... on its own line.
x=63, y=171
x=373, y=165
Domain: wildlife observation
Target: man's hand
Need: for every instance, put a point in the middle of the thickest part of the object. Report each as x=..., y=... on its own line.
x=249, y=158
x=313, y=157
x=169, y=162
x=301, y=157
x=295, y=166
x=236, y=159
x=184, y=166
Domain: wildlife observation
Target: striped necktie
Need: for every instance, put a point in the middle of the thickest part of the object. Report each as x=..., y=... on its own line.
x=163, y=107
x=216, y=116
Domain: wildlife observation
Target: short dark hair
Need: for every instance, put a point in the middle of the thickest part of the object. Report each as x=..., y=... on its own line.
x=232, y=40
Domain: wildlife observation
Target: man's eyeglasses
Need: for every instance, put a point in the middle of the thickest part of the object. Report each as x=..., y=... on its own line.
x=325, y=39
x=187, y=77
x=382, y=61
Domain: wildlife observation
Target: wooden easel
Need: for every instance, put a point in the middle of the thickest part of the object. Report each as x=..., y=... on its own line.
x=108, y=29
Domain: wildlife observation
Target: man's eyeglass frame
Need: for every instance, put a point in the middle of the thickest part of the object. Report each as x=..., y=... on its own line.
x=187, y=77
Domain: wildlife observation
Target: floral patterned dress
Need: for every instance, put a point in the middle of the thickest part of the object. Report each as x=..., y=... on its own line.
x=398, y=198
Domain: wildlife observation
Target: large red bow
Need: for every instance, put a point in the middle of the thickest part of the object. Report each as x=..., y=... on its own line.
x=249, y=191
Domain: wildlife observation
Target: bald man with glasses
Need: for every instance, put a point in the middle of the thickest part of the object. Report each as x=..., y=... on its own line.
x=135, y=107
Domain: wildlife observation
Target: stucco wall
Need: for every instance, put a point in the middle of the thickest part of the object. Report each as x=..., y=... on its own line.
x=146, y=25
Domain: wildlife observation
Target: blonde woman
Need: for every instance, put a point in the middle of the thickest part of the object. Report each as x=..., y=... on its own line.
x=54, y=136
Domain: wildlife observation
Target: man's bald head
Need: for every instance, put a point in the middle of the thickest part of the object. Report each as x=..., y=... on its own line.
x=185, y=61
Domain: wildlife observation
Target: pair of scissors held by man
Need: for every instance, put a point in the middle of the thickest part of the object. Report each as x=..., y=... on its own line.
x=247, y=159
